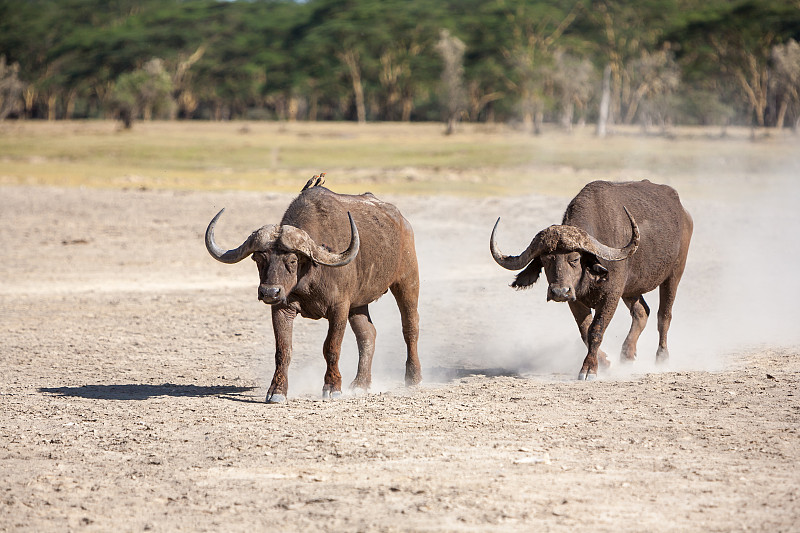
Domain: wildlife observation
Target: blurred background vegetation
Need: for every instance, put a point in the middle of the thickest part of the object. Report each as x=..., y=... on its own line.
x=653, y=63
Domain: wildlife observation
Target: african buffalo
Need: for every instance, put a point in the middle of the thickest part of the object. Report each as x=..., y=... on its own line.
x=617, y=240
x=301, y=273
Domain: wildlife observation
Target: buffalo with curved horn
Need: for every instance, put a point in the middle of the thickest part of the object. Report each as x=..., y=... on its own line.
x=301, y=273
x=616, y=241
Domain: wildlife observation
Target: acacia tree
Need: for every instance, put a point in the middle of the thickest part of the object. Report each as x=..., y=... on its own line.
x=535, y=31
x=359, y=59
x=451, y=49
x=623, y=32
x=653, y=78
x=143, y=93
x=482, y=25
x=349, y=32
x=747, y=66
x=735, y=41
x=573, y=78
x=786, y=80
x=185, y=100
x=407, y=60
x=10, y=88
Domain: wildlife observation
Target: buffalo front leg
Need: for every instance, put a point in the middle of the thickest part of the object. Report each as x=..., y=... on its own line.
x=639, y=313
x=597, y=328
x=365, y=333
x=282, y=322
x=406, y=294
x=583, y=317
x=337, y=323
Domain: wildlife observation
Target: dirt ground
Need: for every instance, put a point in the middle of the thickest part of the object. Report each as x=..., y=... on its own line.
x=135, y=369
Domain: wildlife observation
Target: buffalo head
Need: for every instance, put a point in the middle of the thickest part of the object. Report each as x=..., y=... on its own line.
x=283, y=254
x=569, y=257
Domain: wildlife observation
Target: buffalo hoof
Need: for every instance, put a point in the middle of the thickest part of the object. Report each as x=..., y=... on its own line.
x=276, y=398
x=328, y=395
x=586, y=377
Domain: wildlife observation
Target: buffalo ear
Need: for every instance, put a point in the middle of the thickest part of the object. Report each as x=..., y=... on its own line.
x=600, y=270
x=529, y=275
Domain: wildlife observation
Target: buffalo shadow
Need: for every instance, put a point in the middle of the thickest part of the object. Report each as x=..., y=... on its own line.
x=136, y=391
x=446, y=374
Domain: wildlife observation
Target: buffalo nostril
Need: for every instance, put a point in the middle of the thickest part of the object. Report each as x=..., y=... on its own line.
x=269, y=293
x=559, y=294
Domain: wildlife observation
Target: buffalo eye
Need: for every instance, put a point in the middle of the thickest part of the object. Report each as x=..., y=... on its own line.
x=575, y=261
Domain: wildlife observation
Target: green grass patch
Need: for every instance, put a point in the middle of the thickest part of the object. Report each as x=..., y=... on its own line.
x=396, y=158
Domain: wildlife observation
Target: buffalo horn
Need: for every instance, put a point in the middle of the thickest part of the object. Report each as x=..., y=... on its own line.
x=260, y=239
x=614, y=254
x=567, y=238
x=297, y=240
x=512, y=262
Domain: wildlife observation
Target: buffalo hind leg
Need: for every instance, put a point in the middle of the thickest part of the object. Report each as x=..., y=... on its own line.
x=406, y=293
x=639, y=313
x=282, y=322
x=666, y=292
x=583, y=317
x=331, y=348
x=365, y=333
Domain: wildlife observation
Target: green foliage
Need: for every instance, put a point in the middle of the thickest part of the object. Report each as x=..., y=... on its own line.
x=377, y=60
x=144, y=92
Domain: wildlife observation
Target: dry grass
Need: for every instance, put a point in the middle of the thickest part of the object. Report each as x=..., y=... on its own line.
x=406, y=158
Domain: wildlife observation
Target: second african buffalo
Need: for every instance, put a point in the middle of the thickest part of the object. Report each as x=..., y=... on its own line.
x=616, y=240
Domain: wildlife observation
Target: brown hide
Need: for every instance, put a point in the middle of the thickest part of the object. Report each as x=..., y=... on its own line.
x=295, y=280
x=386, y=253
x=664, y=225
x=599, y=210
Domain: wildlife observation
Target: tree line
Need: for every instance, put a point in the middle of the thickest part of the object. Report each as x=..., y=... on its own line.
x=649, y=62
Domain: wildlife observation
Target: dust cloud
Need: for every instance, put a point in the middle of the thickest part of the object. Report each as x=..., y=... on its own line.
x=738, y=292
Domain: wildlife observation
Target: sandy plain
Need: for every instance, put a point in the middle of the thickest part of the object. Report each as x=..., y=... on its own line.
x=135, y=369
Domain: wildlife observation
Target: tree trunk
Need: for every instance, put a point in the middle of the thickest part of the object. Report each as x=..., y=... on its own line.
x=567, y=115
x=408, y=106
x=51, y=107
x=538, y=119
x=126, y=116
x=70, y=107
x=638, y=94
x=451, y=125
x=754, y=86
x=351, y=59
x=29, y=96
x=782, y=113
x=527, y=120
x=313, y=108
x=605, y=102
